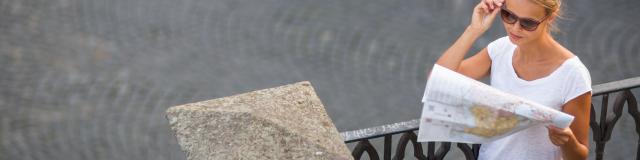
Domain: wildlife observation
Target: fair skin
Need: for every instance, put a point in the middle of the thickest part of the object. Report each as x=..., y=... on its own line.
x=536, y=56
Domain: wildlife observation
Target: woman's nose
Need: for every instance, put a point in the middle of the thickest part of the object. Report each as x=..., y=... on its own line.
x=517, y=26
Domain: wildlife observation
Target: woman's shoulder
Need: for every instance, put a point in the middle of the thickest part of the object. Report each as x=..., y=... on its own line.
x=502, y=41
x=576, y=64
x=499, y=46
x=576, y=70
x=578, y=79
x=573, y=62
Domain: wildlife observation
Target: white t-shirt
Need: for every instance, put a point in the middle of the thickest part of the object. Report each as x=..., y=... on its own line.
x=568, y=81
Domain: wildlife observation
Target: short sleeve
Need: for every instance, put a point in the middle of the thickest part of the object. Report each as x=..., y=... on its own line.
x=496, y=47
x=578, y=83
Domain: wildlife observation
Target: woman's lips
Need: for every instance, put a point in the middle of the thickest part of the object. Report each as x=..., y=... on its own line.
x=514, y=36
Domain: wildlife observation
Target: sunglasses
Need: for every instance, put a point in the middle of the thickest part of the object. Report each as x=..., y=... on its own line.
x=525, y=23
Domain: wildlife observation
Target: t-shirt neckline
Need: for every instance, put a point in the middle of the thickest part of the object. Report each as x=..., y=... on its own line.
x=538, y=80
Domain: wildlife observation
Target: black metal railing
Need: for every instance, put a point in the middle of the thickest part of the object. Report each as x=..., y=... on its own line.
x=601, y=129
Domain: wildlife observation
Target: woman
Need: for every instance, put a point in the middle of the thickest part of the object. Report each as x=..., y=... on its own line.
x=531, y=64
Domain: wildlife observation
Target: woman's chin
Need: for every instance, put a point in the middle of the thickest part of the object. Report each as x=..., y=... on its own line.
x=515, y=40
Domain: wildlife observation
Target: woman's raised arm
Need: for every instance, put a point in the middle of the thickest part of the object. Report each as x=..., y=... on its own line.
x=478, y=65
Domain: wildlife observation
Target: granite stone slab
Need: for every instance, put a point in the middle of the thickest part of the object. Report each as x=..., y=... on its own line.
x=287, y=122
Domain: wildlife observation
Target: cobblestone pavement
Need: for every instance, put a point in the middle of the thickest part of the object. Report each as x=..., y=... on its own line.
x=91, y=79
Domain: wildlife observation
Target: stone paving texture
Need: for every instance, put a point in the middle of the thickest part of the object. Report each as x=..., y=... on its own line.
x=287, y=122
x=91, y=79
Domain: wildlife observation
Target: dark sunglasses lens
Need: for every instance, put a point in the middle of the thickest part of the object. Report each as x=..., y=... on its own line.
x=508, y=17
x=528, y=25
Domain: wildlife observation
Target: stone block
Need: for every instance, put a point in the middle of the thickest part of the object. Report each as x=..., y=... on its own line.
x=286, y=122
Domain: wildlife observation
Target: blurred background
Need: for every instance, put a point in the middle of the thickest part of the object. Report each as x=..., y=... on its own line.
x=91, y=79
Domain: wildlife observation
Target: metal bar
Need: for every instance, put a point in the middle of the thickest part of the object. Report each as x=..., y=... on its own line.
x=365, y=146
x=467, y=151
x=616, y=86
x=379, y=131
x=387, y=147
x=603, y=115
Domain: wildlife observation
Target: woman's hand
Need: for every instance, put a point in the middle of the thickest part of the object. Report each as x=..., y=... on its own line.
x=484, y=13
x=478, y=65
x=560, y=136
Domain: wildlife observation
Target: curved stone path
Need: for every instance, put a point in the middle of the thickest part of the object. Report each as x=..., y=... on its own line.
x=91, y=79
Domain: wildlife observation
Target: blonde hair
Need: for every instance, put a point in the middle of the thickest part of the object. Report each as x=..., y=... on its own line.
x=551, y=7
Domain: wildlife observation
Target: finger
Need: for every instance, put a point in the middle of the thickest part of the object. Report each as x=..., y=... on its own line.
x=554, y=141
x=551, y=131
x=485, y=2
x=554, y=129
x=494, y=13
x=497, y=3
x=554, y=134
x=557, y=141
x=555, y=137
x=490, y=17
x=562, y=136
x=488, y=4
x=562, y=132
x=478, y=6
x=484, y=8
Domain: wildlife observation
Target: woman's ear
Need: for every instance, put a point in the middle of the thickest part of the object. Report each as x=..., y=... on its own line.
x=552, y=18
x=550, y=22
